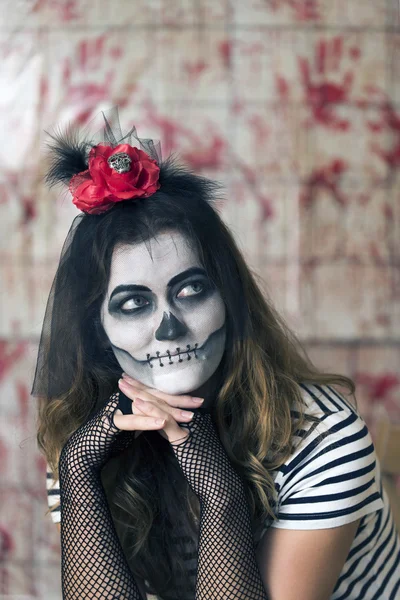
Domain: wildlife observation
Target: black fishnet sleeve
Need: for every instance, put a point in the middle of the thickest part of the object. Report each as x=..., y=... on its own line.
x=227, y=567
x=93, y=564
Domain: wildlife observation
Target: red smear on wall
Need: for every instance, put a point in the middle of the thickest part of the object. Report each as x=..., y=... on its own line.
x=327, y=178
x=283, y=88
x=7, y=546
x=303, y=10
x=225, y=50
x=10, y=354
x=194, y=69
x=383, y=389
x=23, y=398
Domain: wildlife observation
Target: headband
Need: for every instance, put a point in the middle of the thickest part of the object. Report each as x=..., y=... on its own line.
x=107, y=169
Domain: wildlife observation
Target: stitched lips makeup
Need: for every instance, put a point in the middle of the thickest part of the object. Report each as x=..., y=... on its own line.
x=163, y=316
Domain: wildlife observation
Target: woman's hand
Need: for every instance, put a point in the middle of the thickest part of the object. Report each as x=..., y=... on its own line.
x=94, y=443
x=150, y=404
x=197, y=446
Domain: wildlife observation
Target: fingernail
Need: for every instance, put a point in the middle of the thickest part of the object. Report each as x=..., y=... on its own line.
x=122, y=382
x=198, y=400
x=127, y=378
x=186, y=413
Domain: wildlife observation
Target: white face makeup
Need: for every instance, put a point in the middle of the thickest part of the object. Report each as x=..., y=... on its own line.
x=163, y=318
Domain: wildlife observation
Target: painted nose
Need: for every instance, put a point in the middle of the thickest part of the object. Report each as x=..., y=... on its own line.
x=170, y=328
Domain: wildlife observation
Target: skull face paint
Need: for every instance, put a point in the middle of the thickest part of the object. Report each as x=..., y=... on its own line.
x=162, y=315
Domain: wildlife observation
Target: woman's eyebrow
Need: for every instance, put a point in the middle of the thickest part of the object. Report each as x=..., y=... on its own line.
x=184, y=274
x=132, y=287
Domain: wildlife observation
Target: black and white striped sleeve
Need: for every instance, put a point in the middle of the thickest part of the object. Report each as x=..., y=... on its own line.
x=332, y=480
x=53, y=496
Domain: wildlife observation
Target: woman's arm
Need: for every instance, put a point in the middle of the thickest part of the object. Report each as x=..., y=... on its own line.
x=301, y=564
x=227, y=565
x=140, y=583
x=92, y=559
x=93, y=564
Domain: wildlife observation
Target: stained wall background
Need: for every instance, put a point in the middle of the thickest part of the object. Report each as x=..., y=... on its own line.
x=293, y=104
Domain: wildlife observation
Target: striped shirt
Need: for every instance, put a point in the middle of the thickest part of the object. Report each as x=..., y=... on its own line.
x=329, y=480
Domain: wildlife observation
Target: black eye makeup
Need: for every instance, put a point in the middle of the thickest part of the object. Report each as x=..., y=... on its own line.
x=124, y=303
x=195, y=289
x=194, y=285
x=128, y=304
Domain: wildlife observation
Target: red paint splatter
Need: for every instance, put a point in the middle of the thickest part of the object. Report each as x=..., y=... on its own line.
x=23, y=398
x=260, y=129
x=205, y=151
x=282, y=87
x=91, y=52
x=267, y=212
x=44, y=90
x=321, y=94
x=225, y=50
x=206, y=156
x=354, y=53
x=388, y=211
x=66, y=9
x=6, y=543
x=7, y=546
x=327, y=178
x=89, y=95
x=41, y=464
x=29, y=210
x=116, y=52
x=303, y=10
x=250, y=179
x=237, y=106
x=382, y=389
x=194, y=69
x=390, y=120
x=375, y=127
x=363, y=199
x=10, y=354
x=253, y=49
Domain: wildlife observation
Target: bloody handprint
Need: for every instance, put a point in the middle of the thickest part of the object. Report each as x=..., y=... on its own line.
x=321, y=92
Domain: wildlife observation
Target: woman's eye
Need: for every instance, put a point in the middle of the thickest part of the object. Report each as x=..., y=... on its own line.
x=192, y=289
x=133, y=304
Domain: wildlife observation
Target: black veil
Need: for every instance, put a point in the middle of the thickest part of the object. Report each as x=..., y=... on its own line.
x=69, y=152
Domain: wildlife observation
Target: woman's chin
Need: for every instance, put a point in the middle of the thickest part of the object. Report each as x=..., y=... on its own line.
x=179, y=383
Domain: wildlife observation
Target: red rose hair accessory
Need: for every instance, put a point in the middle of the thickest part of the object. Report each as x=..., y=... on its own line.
x=108, y=168
x=114, y=175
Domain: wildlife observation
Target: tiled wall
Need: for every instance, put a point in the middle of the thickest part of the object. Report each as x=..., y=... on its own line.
x=293, y=104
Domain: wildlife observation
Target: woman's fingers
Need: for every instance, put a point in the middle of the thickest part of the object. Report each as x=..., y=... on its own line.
x=136, y=422
x=165, y=409
x=154, y=418
x=171, y=428
x=183, y=400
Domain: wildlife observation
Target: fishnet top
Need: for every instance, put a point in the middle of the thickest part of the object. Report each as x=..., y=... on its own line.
x=190, y=546
x=93, y=564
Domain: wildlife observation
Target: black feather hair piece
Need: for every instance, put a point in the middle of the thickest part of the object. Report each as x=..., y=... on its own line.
x=68, y=156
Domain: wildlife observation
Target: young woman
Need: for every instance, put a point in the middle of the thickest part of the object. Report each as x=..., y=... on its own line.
x=270, y=487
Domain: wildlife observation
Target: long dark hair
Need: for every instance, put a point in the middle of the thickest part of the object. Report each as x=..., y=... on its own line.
x=263, y=365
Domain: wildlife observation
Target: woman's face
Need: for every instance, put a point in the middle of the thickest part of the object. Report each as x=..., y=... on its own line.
x=164, y=319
